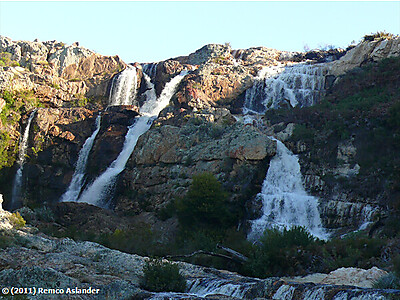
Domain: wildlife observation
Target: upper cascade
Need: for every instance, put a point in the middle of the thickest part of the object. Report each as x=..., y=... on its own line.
x=295, y=85
x=97, y=192
x=123, y=88
x=285, y=201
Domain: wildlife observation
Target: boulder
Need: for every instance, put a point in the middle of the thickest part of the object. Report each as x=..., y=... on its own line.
x=354, y=276
x=364, y=52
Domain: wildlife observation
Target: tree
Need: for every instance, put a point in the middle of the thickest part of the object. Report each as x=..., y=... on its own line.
x=205, y=204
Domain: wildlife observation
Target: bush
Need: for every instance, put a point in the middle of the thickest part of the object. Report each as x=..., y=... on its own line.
x=6, y=61
x=379, y=35
x=352, y=251
x=281, y=253
x=389, y=281
x=205, y=204
x=17, y=220
x=162, y=276
x=5, y=241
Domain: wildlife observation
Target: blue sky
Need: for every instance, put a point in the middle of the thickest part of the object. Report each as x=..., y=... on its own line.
x=153, y=31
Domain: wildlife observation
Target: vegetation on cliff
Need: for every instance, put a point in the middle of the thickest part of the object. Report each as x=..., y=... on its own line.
x=17, y=103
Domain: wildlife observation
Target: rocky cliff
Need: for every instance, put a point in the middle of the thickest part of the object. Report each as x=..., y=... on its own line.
x=201, y=130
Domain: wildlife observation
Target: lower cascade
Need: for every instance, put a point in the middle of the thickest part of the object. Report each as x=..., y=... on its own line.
x=123, y=88
x=97, y=192
x=295, y=85
x=77, y=180
x=285, y=201
x=16, y=191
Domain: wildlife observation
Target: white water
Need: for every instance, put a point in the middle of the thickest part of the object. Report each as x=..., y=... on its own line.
x=150, y=93
x=150, y=69
x=254, y=96
x=300, y=85
x=285, y=292
x=203, y=287
x=123, y=87
x=368, y=296
x=285, y=202
x=295, y=85
x=77, y=181
x=98, y=191
x=16, y=191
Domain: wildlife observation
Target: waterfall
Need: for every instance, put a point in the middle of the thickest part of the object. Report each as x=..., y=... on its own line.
x=97, y=192
x=203, y=287
x=299, y=85
x=150, y=69
x=150, y=93
x=254, y=96
x=123, y=87
x=285, y=202
x=295, y=85
x=77, y=181
x=16, y=191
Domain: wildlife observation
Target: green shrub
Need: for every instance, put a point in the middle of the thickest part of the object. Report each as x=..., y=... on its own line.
x=281, y=252
x=55, y=86
x=396, y=265
x=352, y=251
x=17, y=220
x=6, y=157
x=389, y=281
x=205, y=204
x=5, y=241
x=159, y=276
x=6, y=61
x=302, y=132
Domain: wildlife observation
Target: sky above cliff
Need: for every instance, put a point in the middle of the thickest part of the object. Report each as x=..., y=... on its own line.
x=153, y=31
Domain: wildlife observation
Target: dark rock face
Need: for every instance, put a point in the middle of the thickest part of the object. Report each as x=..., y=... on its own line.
x=166, y=158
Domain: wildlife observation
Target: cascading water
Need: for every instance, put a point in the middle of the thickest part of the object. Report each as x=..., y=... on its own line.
x=254, y=96
x=77, y=181
x=300, y=85
x=97, y=192
x=203, y=287
x=16, y=191
x=150, y=69
x=297, y=85
x=285, y=202
x=150, y=93
x=123, y=87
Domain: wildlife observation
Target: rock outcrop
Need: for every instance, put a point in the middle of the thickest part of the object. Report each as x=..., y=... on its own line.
x=366, y=51
x=56, y=71
x=166, y=158
x=62, y=264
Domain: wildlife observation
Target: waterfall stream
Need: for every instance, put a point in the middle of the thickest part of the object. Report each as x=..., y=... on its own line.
x=123, y=87
x=285, y=201
x=77, y=181
x=295, y=85
x=96, y=193
x=16, y=190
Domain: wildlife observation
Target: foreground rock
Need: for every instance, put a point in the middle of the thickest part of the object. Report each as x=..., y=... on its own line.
x=35, y=260
x=344, y=276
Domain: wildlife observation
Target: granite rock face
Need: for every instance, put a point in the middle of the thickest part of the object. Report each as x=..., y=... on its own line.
x=55, y=68
x=167, y=157
x=364, y=52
